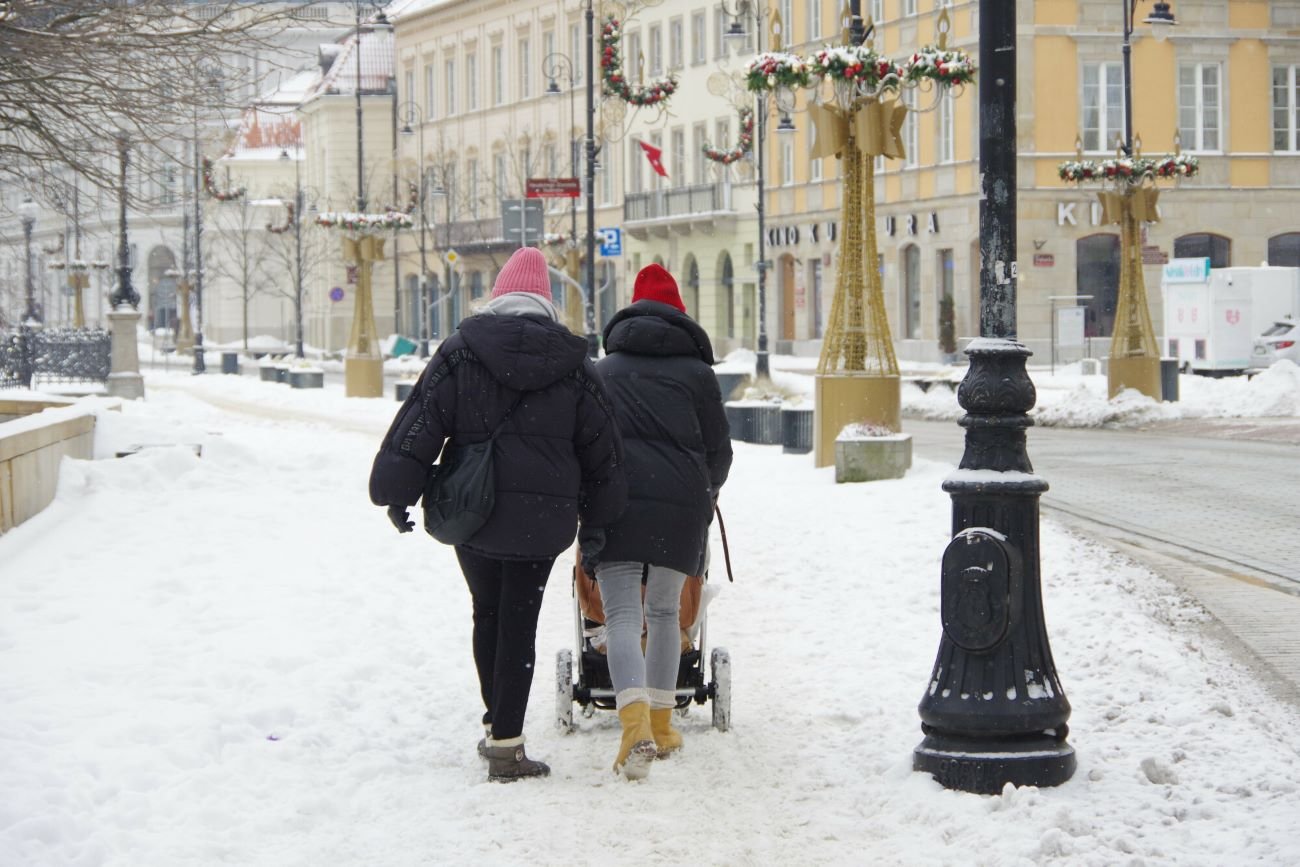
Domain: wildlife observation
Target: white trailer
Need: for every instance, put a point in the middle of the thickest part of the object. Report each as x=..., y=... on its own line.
x=1213, y=315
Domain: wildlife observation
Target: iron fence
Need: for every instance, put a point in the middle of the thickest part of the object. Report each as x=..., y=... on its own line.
x=30, y=356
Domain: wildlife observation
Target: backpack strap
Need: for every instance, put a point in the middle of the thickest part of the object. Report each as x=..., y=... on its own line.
x=501, y=424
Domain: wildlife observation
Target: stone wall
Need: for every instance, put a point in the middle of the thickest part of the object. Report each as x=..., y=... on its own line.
x=32, y=444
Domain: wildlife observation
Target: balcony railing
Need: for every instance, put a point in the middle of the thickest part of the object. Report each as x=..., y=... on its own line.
x=677, y=202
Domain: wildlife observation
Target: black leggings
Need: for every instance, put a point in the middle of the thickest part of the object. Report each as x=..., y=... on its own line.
x=507, y=600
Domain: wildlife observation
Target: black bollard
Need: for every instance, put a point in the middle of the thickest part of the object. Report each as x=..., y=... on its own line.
x=994, y=711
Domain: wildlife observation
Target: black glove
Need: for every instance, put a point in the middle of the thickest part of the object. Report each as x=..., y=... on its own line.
x=401, y=519
x=591, y=541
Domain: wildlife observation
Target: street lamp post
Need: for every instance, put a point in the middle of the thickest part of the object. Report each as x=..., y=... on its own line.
x=363, y=365
x=442, y=191
x=994, y=711
x=200, y=365
x=27, y=211
x=124, y=379
x=736, y=34
x=422, y=310
x=296, y=216
x=555, y=66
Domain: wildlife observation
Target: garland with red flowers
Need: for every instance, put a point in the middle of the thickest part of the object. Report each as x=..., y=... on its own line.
x=745, y=145
x=615, y=83
x=1132, y=170
x=288, y=222
x=210, y=187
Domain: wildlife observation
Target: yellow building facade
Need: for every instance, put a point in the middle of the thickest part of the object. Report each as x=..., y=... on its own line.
x=1226, y=82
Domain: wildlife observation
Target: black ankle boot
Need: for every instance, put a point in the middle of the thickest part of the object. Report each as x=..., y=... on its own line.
x=509, y=763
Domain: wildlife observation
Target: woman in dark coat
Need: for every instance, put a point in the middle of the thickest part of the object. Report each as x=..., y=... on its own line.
x=557, y=459
x=658, y=371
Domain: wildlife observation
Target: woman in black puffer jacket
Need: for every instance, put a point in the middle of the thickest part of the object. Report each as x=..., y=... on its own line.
x=658, y=371
x=557, y=459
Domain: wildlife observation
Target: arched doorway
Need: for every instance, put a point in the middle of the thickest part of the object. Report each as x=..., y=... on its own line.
x=1284, y=250
x=1096, y=273
x=1198, y=245
x=691, y=287
x=727, y=288
x=162, y=289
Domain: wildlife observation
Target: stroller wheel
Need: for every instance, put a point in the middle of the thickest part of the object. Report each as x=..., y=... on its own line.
x=564, y=691
x=720, y=665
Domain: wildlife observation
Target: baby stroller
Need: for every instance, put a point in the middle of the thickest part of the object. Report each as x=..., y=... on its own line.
x=594, y=689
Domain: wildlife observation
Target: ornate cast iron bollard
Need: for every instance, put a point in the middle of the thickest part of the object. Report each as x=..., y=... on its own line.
x=994, y=712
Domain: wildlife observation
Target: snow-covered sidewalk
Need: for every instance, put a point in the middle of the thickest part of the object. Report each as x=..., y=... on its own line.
x=234, y=659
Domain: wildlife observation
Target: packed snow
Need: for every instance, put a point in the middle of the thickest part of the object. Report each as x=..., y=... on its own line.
x=235, y=659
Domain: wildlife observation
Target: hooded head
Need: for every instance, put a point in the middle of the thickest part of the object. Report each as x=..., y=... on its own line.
x=653, y=283
x=524, y=271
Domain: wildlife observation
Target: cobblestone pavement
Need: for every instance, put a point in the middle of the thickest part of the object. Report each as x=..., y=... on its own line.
x=1212, y=505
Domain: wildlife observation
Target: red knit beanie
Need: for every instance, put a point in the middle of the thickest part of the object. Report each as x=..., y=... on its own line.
x=524, y=271
x=653, y=283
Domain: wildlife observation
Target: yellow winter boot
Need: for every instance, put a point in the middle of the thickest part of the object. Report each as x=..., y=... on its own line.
x=637, y=749
x=667, y=738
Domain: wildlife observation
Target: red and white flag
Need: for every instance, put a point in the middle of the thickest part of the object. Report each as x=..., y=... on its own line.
x=655, y=156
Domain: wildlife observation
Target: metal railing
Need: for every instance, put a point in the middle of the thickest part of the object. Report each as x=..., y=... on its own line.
x=677, y=202
x=54, y=355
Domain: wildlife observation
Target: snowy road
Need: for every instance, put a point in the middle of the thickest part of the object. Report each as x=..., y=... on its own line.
x=234, y=660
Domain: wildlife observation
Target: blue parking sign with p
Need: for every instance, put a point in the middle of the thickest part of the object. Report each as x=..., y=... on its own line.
x=611, y=242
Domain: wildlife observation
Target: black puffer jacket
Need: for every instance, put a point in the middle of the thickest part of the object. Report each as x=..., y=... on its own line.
x=659, y=374
x=558, y=458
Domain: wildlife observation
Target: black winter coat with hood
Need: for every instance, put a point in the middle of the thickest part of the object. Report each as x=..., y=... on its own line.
x=558, y=458
x=658, y=371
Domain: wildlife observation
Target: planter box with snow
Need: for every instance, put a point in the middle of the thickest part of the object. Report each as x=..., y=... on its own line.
x=870, y=458
x=796, y=430
x=268, y=373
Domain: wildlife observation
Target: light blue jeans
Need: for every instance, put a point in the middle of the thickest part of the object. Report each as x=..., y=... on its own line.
x=653, y=676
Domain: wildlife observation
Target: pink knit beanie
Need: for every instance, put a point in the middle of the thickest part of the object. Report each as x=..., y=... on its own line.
x=524, y=271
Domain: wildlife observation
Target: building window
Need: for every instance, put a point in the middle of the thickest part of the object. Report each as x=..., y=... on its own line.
x=721, y=21
x=877, y=11
x=943, y=122
x=722, y=134
x=1286, y=109
x=700, y=134
x=814, y=163
x=471, y=81
x=814, y=19
x=635, y=157
x=656, y=179
x=498, y=75
x=912, y=291
x=408, y=90
x=787, y=162
x=548, y=46
x=1216, y=248
x=676, y=46
x=699, y=38
x=909, y=7
x=1199, y=102
x=1284, y=250
x=1103, y=105
x=1097, y=274
x=656, y=38
x=429, y=90
x=577, y=54
x=678, y=157
x=815, y=297
x=606, y=179
x=525, y=69
x=471, y=169
x=449, y=79
x=633, y=60
x=787, y=24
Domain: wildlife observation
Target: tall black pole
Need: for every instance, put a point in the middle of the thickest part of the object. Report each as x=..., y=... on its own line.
x=199, y=365
x=397, y=203
x=593, y=343
x=762, y=370
x=1128, y=77
x=994, y=711
x=361, y=187
x=426, y=300
x=125, y=295
x=297, y=252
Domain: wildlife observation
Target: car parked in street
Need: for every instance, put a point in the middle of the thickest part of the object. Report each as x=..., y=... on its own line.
x=1280, y=341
